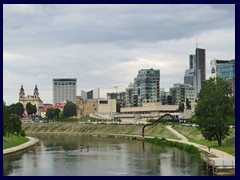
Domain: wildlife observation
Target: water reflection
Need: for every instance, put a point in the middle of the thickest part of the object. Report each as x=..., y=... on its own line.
x=62, y=156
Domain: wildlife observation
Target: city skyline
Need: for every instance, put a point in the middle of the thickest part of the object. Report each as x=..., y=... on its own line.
x=106, y=45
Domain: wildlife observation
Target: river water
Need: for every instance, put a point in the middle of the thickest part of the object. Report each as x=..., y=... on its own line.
x=63, y=156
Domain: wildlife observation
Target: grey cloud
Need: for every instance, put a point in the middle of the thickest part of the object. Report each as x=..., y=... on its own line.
x=106, y=45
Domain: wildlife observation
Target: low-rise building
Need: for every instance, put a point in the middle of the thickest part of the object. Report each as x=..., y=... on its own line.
x=147, y=111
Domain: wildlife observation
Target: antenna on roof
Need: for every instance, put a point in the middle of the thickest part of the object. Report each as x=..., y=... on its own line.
x=197, y=42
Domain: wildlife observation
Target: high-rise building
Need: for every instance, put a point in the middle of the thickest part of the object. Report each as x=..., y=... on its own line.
x=180, y=92
x=64, y=90
x=192, y=61
x=224, y=69
x=196, y=74
x=201, y=63
x=145, y=89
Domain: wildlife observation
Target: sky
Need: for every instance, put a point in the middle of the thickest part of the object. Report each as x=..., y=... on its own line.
x=105, y=45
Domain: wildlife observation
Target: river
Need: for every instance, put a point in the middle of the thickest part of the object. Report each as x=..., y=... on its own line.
x=63, y=156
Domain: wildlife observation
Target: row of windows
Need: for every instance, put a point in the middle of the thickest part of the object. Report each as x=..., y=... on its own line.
x=64, y=83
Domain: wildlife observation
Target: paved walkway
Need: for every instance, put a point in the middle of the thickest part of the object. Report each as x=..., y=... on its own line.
x=213, y=151
x=32, y=141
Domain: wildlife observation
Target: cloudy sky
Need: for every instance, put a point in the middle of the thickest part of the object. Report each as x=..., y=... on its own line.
x=105, y=45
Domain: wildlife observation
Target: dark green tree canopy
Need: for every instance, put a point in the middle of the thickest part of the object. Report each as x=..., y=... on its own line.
x=214, y=109
x=31, y=109
x=17, y=109
x=69, y=109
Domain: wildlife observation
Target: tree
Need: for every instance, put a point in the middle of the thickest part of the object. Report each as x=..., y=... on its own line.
x=69, y=110
x=181, y=107
x=15, y=123
x=17, y=109
x=188, y=104
x=56, y=113
x=49, y=113
x=31, y=109
x=6, y=116
x=214, y=109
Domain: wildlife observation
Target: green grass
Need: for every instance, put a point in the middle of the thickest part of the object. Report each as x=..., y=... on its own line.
x=194, y=135
x=13, y=140
x=74, y=127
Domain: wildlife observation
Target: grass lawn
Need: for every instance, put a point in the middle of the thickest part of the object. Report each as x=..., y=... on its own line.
x=194, y=135
x=13, y=140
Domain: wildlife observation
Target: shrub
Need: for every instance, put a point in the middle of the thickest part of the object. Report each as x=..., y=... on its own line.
x=22, y=133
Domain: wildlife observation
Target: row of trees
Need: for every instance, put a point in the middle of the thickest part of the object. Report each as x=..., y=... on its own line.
x=69, y=110
x=11, y=119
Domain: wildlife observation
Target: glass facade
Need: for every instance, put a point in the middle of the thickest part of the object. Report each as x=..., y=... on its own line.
x=226, y=70
x=145, y=89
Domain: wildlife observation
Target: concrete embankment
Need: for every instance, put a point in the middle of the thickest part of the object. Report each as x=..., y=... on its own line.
x=99, y=129
x=32, y=141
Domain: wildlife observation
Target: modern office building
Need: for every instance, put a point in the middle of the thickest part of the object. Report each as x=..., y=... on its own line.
x=200, y=56
x=165, y=97
x=192, y=61
x=180, y=93
x=93, y=94
x=64, y=89
x=224, y=69
x=145, y=89
x=196, y=74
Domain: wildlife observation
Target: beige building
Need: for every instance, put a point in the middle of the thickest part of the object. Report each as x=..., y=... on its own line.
x=33, y=99
x=147, y=111
x=96, y=106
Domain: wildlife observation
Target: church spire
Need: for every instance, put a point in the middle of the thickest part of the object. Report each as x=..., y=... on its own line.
x=36, y=93
x=21, y=93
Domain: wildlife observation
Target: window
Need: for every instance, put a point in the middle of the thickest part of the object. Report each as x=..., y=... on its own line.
x=103, y=102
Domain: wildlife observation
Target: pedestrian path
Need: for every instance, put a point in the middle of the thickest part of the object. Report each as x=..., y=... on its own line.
x=213, y=151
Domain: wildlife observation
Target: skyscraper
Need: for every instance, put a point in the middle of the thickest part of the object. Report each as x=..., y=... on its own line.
x=64, y=89
x=145, y=89
x=196, y=74
x=201, y=63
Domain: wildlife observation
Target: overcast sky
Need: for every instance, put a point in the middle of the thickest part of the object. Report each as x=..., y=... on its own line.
x=106, y=45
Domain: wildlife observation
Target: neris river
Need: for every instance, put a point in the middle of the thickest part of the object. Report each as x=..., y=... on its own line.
x=69, y=156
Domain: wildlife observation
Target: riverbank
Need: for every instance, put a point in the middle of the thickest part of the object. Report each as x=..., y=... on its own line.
x=13, y=140
x=31, y=142
x=98, y=129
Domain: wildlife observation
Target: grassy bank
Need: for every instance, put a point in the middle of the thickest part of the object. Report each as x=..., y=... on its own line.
x=194, y=135
x=188, y=148
x=13, y=140
x=80, y=128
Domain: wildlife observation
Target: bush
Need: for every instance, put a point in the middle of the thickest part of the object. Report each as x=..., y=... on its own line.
x=22, y=133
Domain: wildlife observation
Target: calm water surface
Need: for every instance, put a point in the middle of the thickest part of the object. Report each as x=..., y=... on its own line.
x=62, y=156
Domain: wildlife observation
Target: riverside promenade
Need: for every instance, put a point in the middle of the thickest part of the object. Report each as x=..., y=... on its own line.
x=222, y=164
x=32, y=141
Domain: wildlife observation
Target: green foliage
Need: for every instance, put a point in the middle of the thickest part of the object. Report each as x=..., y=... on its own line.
x=188, y=104
x=31, y=109
x=53, y=113
x=181, y=107
x=11, y=122
x=17, y=109
x=214, y=109
x=22, y=133
x=69, y=110
x=6, y=122
x=163, y=142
